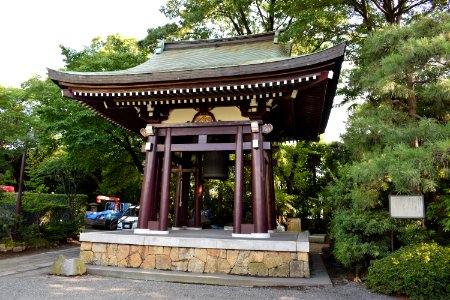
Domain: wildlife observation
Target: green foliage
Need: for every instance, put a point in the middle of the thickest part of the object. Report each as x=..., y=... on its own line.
x=47, y=218
x=15, y=121
x=301, y=172
x=420, y=271
x=7, y=219
x=439, y=209
x=398, y=141
x=316, y=25
x=379, y=141
x=16, y=125
x=361, y=236
x=309, y=25
x=412, y=233
x=114, y=53
x=167, y=32
x=79, y=152
x=408, y=66
x=202, y=19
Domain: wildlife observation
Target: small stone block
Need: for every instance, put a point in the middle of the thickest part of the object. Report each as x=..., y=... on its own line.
x=294, y=224
x=257, y=269
x=67, y=267
x=296, y=269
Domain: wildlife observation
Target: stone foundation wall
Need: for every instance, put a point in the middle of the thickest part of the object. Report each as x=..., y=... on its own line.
x=198, y=260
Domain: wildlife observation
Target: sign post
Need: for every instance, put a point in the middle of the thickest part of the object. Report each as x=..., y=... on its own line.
x=406, y=207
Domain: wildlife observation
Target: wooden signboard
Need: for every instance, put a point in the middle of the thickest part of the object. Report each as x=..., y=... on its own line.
x=407, y=207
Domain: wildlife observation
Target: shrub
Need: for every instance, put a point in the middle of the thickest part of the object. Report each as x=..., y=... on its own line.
x=420, y=271
x=49, y=217
x=360, y=236
x=410, y=233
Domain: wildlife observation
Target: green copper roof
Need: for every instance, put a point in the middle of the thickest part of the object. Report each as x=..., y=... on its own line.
x=184, y=56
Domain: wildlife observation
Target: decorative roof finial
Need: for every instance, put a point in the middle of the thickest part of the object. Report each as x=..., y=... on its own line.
x=276, y=36
x=159, y=47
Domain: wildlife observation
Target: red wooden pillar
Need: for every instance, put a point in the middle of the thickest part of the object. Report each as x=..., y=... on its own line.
x=270, y=193
x=258, y=184
x=148, y=198
x=238, y=182
x=165, y=186
x=198, y=192
x=157, y=190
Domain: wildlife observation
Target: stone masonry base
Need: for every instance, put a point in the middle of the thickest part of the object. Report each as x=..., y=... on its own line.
x=198, y=260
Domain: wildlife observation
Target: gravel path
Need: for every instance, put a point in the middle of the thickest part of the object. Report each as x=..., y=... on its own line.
x=38, y=285
x=31, y=281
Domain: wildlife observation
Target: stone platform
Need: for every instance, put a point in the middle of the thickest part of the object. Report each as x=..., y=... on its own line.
x=284, y=254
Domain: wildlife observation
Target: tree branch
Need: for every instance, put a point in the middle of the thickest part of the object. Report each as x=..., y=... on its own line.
x=129, y=148
x=261, y=15
x=243, y=18
x=379, y=6
x=236, y=26
x=403, y=105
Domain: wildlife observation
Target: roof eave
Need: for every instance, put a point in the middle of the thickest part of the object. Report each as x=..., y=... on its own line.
x=335, y=53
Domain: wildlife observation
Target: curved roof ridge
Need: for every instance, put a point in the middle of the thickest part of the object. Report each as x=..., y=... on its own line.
x=183, y=44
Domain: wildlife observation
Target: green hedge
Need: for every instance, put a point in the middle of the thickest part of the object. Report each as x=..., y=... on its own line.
x=45, y=217
x=420, y=271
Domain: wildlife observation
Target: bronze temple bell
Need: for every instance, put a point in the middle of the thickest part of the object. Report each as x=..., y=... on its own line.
x=215, y=163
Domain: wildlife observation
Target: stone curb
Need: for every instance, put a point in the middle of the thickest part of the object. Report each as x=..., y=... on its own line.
x=319, y=276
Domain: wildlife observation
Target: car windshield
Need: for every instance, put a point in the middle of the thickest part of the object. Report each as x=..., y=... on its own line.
x=132, y=212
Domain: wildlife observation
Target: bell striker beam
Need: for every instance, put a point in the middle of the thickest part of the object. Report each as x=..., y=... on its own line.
x=178, y=201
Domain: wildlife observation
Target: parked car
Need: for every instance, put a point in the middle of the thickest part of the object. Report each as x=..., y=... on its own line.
x=129, y=218
x=109, y=217
x=106, y=219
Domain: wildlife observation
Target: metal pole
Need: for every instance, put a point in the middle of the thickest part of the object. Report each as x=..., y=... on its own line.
x=20, y=190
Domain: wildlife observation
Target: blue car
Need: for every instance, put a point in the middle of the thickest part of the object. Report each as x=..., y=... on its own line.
x=108, y=218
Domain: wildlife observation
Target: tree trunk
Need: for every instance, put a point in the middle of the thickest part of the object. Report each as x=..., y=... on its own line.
x=412, y=100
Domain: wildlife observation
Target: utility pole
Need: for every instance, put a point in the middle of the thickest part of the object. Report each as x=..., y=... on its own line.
x=19, y=194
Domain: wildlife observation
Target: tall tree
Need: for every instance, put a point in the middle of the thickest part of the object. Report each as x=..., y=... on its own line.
x=399, y=140
x=309, y=25
x=408, y=67
x=236, y=17
x=16, y=124
x=97, y=148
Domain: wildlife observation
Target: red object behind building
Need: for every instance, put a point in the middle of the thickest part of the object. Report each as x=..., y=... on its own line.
x=101, y=198
x=7, y=188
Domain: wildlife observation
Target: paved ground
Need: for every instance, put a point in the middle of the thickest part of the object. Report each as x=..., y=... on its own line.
x=18, y=263
x=26, y=277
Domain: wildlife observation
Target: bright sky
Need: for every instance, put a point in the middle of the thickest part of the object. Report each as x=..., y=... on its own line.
x=32, y=30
